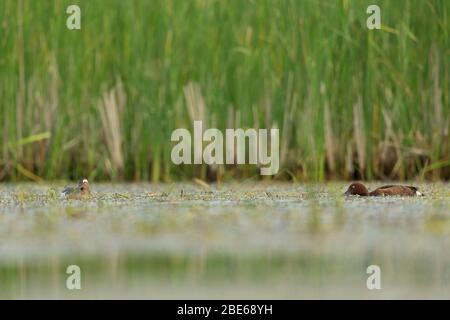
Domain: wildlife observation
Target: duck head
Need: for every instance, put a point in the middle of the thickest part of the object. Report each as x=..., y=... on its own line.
x=357, y=188
x=83, y=186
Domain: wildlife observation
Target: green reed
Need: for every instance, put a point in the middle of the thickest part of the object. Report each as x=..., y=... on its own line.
x=349, y=102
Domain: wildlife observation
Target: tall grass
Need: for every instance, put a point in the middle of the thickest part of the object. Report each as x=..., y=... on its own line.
x=350, y=102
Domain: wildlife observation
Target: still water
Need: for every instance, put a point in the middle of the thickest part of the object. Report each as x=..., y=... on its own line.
x=235, y=240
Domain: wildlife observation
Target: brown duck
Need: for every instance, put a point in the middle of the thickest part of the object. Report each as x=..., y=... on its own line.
x=359, y=189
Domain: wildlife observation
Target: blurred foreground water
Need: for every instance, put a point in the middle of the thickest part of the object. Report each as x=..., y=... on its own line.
x=247, y=240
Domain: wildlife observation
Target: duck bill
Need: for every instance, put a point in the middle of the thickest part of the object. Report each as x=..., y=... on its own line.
x=347, y=193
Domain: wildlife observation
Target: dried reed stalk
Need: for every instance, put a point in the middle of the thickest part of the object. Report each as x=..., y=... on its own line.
x=111, y=108
x=360, y=138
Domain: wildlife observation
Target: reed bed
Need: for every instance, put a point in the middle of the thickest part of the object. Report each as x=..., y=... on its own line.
x=102, y=101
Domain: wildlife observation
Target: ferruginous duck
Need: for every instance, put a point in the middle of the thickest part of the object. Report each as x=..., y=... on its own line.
x=359, y=189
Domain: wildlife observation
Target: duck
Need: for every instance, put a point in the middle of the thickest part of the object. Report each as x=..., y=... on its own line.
x=82, y=190
x=359, y=189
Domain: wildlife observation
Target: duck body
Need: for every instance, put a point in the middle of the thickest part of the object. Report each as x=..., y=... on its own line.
x=79, y=192
x=395, y=190
x=359, y=189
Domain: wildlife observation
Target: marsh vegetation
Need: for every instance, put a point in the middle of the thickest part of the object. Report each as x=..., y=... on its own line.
x=350, y=102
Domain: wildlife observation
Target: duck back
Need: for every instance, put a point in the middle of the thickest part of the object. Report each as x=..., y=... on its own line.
x=395, y=190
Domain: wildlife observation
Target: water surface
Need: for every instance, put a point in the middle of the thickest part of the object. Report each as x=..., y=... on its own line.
x=237, y=240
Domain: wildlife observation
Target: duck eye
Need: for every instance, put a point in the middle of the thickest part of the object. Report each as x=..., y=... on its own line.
x=82, y=188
